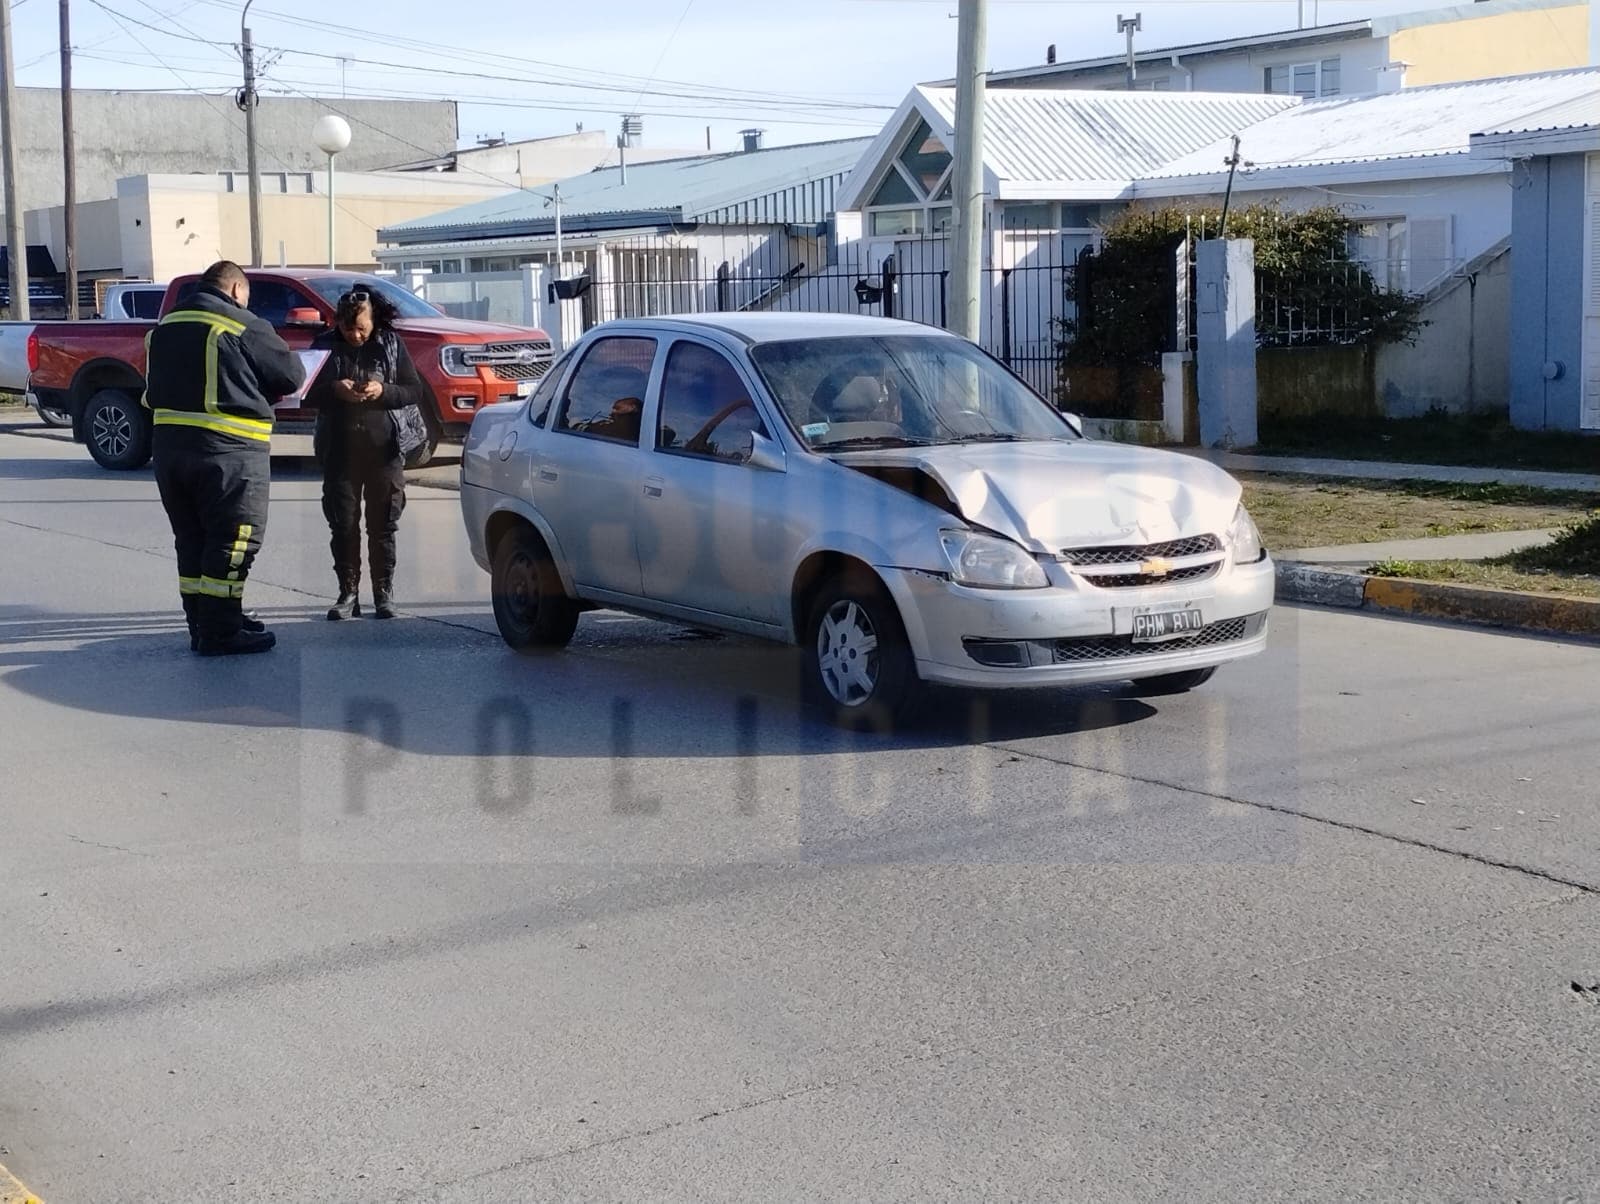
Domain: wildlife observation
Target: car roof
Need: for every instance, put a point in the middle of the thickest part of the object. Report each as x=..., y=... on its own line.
x=781, y=327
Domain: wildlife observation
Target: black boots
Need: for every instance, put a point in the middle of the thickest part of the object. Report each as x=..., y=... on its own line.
x=383, y=599
x=241, y=643
x=210, y=617
x=349, y=604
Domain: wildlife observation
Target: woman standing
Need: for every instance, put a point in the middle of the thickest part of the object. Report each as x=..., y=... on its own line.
x=367, y=381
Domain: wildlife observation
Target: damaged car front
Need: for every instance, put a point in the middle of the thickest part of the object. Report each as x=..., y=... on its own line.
x=1039, y=557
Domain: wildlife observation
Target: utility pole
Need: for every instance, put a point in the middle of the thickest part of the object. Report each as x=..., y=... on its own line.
x=69, y=166
x=247, y=102
x=966, y=269
x=1130, y=26
x=1232, y=164
x=16, y=243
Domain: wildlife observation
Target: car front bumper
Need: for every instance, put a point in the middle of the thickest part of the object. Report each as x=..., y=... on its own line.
x=1071, y=633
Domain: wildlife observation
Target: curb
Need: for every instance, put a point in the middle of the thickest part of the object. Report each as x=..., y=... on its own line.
x=13, y=1192
x=1548, y=614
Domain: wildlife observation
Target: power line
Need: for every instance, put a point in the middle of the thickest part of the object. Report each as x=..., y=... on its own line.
x=726, y=99
x=477, y=56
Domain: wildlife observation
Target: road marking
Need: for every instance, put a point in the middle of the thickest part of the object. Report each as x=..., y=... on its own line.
x=13, y=1192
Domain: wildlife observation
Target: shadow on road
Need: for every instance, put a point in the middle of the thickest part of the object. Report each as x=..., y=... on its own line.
x=444, y=686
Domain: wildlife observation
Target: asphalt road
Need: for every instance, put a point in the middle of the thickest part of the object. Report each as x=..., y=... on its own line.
x=393, y=914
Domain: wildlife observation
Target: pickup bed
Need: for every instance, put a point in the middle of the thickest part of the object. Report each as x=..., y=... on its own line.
x=94, y=370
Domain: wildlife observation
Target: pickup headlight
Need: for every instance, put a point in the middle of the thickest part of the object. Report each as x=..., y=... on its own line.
x=989, y=563
x=453, y=360
x=1245, y=539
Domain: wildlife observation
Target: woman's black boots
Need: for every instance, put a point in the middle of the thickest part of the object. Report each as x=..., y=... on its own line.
x=349, y=604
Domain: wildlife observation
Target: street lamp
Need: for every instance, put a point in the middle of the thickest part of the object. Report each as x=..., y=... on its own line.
x=332, y=135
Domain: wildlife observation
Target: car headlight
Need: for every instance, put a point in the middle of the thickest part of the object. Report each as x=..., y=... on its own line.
x=989, y=563
x=1245, y=539
x=453, y=360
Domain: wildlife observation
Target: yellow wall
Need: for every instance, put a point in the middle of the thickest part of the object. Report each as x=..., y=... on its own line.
x=1516, y=43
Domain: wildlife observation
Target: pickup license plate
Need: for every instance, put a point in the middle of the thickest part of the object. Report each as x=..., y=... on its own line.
x=1152, y=629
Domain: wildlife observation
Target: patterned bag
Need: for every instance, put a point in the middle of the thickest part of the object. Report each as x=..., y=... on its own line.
x=411, y=432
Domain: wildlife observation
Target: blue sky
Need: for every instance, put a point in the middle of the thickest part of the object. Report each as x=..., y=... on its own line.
x=801, y=71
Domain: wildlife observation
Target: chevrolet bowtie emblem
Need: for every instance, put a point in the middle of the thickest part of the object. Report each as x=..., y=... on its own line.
x=1155, y=567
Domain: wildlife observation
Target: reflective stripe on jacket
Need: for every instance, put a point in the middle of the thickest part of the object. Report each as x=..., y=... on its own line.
x=213, y=366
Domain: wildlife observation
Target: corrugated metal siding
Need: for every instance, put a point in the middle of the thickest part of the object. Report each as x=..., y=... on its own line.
x=1039, y=136
x=804, y=204
x=1409, y=124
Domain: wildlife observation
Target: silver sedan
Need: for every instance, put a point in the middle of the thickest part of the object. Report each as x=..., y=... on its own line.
x=883, y=494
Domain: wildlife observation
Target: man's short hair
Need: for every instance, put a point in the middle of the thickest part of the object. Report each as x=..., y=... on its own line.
x=223, y=275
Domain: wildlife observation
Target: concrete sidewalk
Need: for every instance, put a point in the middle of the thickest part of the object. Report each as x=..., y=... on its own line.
x=1383, y=471
x=1477, y=546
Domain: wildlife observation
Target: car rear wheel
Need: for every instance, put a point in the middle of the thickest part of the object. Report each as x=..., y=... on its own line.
x=859, y=667
x=117, y=430
x=1172, y=683
x=51, y=416
x=531, y=609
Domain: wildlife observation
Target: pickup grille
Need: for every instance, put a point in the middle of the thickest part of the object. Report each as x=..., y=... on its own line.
x=515, y=361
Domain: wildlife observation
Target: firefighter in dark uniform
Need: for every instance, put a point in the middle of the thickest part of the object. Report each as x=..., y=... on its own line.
x=212, y=371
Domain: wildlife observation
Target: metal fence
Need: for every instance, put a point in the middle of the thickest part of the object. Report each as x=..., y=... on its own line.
x=1024, y=295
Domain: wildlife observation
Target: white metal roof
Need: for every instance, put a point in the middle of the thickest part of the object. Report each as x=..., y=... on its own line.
x=1417, y=130
x=1568, y=115
x=1060, y=145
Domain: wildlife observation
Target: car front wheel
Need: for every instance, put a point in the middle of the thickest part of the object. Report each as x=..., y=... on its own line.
x=117, y=429
x=531, y=609
x=859, y=667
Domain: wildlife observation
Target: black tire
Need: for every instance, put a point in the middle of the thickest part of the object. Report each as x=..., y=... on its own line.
x=52, y=417
x=531, y=609
x=1172, y=683
x=849, y=608
x=423, y=456
x=117, y=430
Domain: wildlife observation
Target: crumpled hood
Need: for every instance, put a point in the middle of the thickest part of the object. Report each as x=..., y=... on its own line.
x=1052, y=495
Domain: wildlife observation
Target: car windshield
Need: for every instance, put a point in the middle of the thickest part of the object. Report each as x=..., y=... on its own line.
x=901, y=391
x=331, y=288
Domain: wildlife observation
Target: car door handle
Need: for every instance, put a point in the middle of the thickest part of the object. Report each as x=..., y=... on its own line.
x=547, y=474
x=652, y=487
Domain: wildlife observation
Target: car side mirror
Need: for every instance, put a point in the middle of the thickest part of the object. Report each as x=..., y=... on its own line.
x=305, y=318
x=765, y=454
x=1075, y=423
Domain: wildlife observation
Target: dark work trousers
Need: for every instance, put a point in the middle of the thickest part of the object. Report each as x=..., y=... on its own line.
x=363, y=469
x=215, y=493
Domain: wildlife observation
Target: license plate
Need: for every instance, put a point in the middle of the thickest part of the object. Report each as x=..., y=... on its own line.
x=526, y=388
x=1150, y=629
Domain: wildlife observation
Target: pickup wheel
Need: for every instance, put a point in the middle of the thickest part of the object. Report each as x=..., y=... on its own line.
x=423, y=456
x=117, y=429
x=531, y=609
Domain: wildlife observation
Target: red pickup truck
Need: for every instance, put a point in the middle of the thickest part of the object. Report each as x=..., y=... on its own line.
x=94, y=371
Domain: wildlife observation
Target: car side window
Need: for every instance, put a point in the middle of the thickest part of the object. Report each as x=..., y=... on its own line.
x=271, y=301
x=706, y=408
x=539, y=402
x=146, y=304
x=605, y=399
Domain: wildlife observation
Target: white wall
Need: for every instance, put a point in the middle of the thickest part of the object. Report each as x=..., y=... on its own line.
x=1461, y=361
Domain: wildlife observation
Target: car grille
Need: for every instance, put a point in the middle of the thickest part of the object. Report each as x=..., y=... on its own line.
x=1118, y=647
x=520, y=371
x=1195, y=545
